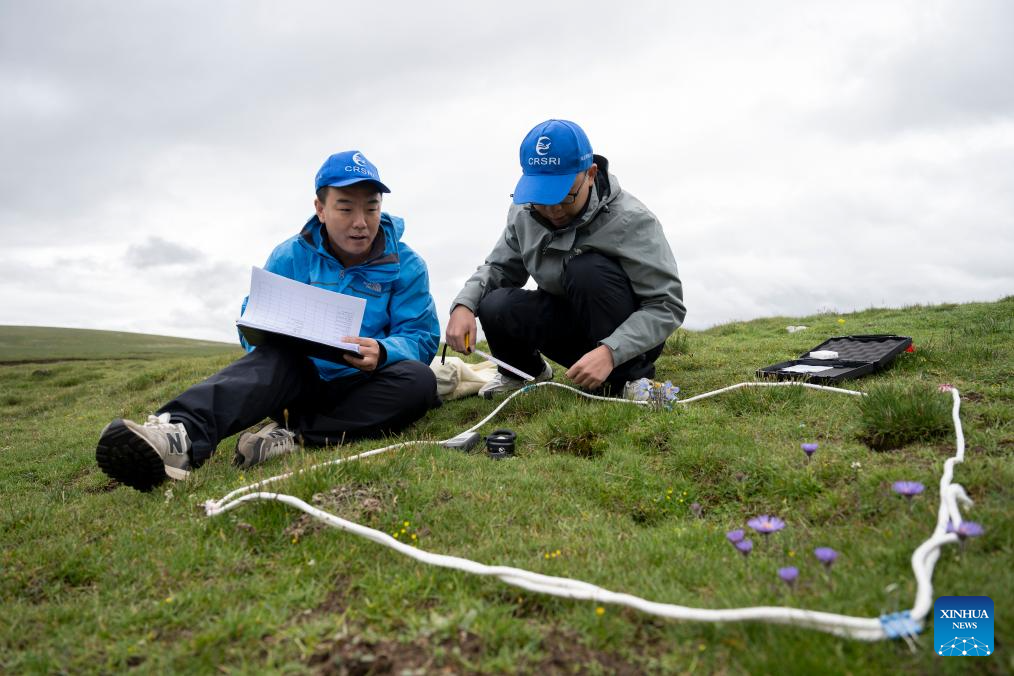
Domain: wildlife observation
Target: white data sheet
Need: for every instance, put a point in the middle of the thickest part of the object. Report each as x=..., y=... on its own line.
x=285, y=306
x=805, y=368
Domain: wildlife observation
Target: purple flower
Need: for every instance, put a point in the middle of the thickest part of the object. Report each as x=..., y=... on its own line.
x=734, y=536
x=745, y=547
x=809, y=449
x=967, y=529
x=907, y=488
x=788, y=574
x=765, y=524
x=825, y=555
x=696, y=508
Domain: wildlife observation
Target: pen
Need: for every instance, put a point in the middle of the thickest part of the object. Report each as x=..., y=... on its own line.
x=504, y=364
x=496, y=361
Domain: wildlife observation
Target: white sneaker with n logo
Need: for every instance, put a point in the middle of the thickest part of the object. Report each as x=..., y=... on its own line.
x=142, y=456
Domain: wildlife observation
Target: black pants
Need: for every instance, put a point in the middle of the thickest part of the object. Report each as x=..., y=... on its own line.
x=520, y=324
x=269, y=380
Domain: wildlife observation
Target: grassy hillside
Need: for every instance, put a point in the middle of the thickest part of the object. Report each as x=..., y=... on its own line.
x=96, y=578
x=46, y=343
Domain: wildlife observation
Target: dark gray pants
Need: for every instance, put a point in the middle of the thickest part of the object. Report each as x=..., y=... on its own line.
x=519, y=324
x=269, y=380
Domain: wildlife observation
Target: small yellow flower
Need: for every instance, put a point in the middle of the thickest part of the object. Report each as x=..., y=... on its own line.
x=557, y=552
x=792, y=552
x=168, y=599
x=414, y=537
x=600, y=611
x=402, y=531
x=405, y=524
x=546, y=555
x=702, y=647
x=841, y=321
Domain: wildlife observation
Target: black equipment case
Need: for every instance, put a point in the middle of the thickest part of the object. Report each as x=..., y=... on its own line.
x=857, y=357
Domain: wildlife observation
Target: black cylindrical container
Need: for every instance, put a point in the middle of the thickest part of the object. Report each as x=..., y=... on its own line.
x=500, y=444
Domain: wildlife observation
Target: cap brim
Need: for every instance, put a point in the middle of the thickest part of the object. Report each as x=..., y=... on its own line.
x=342, y=184
x=543, y=189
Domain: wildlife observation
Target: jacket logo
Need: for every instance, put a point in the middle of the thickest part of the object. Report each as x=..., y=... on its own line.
x=542, y=145
x=373, y=286
x=359, y=159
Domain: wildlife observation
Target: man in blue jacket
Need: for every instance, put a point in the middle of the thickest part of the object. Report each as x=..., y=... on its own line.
x=350, y=246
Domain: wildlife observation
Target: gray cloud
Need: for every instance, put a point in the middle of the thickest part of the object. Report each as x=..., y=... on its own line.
x=158, y=252
x=951, y=68
x=877, y=140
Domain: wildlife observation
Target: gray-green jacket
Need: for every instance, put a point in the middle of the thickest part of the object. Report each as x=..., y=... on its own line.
x=615, y=224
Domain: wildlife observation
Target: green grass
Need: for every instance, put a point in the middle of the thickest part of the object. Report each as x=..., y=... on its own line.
x=894, y=416
x=100, y=578
x=47, y=344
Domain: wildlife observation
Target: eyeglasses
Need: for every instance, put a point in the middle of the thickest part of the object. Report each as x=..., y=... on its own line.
x=567, y=200
x=570, y=197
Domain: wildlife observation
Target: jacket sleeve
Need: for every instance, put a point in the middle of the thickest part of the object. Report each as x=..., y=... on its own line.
x=414, y=329
x=649, y=263
x=504, y=267
x=279, y=262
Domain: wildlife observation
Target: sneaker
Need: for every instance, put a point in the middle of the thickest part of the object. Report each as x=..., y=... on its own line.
x=267, y=442
x=502, y=384
x=142, y=456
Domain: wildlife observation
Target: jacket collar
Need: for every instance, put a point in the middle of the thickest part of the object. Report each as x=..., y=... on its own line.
x=384, y=250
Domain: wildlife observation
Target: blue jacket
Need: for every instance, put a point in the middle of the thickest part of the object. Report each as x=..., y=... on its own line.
x=400, y=312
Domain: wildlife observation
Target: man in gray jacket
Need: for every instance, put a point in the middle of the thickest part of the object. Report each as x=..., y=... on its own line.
x=609, y=292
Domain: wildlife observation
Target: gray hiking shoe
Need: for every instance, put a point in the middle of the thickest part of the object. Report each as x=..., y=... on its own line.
x=267, y=442
x=142, y=456
x=502, y=384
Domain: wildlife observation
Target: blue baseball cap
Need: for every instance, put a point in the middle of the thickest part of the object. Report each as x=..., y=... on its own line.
x=552, y=155
x=342, y=169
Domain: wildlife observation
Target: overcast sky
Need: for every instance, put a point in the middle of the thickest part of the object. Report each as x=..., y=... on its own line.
x=802, y=156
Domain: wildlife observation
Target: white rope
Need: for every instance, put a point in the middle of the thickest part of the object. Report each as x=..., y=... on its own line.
x=787, y=383
x=213, y=504
x=924, y=558
x=210, y=505
x=869, y=629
